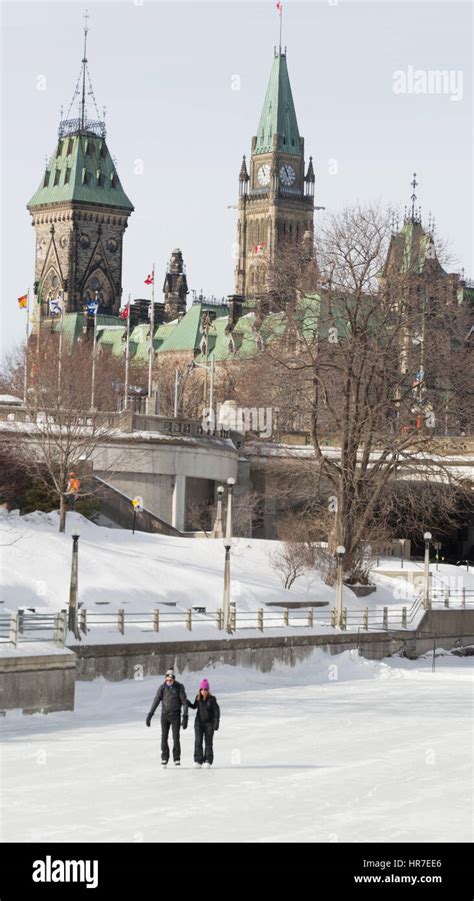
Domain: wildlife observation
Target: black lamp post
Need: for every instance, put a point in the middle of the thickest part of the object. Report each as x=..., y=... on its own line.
x=72, y=618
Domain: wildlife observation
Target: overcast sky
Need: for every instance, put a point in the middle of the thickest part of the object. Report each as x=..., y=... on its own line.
x=167, y=73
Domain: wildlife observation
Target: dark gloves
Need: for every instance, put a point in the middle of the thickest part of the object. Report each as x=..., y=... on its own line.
x=148, y=720
x=184, y=722
x=216, y=727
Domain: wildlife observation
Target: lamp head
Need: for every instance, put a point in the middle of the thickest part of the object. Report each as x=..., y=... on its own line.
x=220, y=489
x=231, y=481
x=340, y=550
x=427, y=536
x=227, y=544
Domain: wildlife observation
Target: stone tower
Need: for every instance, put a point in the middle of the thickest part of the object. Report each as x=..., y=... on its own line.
x=175, y=287
x=80, y=212
x=276, y=198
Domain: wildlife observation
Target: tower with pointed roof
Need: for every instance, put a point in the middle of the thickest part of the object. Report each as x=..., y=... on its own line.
x=276, y=196
x=80, y=212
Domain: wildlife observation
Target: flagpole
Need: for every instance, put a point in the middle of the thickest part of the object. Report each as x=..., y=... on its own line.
x=150, y=349
x=93, y=353
x=60, y=347
x=25, y=377
x=39, y=318
x=127, y=353
x=281, y=22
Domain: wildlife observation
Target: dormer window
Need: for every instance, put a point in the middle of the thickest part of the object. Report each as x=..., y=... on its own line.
x=56, y=177
x=231, y=345
x=46, y=179
x=70, y=146
x=84, y=176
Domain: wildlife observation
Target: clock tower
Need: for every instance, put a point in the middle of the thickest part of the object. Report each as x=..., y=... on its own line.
x=276, y=197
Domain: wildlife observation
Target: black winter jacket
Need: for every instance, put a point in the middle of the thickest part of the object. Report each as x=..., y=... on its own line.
x=172, y=698
x=208, y=710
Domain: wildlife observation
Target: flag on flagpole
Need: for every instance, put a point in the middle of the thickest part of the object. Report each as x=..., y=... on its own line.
x=92, y=307
x=23, y=302
x=125, y=312
x=55, y=308
x=149, y=279
x=259, y=247
x=279, y=7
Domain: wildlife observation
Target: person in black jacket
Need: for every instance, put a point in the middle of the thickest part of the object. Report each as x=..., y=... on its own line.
x=172, y=697
x=205, y=724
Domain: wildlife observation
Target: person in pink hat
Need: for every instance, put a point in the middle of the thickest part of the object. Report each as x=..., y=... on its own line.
x=206, y=723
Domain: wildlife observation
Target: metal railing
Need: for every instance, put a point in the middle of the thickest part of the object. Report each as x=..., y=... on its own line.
x=33, y=627
x=30, y=627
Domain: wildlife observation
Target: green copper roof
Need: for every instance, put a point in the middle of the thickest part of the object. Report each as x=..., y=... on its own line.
x=188, y=333
x=73, y=324
x=410, y=250
x=81, y=169
x=278, y=114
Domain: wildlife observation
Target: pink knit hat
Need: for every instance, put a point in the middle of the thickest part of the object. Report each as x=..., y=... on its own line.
x=204, y=684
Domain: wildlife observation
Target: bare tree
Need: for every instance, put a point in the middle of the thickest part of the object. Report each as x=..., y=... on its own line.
x=57, y=433
x=346, y=363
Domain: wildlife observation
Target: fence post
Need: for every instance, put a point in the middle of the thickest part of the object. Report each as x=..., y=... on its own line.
x=121, y=621
x=83, y=620
x=156, y=620
x=385, y=618
x=446, y=597
x=404, y=617
x=62, y=628
x=219, y=617
x=463, y=601
x=365, y=619
x=21, y=614
x=260, y=619
x=233, y=617
x=188, y=619
x=344, y=618
x=333, y=617
x=285, y=617
x=310, y=617
x=14, y=629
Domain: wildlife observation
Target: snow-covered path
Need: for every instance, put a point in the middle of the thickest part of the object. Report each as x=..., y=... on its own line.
x=335, y=749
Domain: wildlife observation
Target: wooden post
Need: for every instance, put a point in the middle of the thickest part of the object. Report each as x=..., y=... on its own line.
x=365, y=619
x=260, y=619
x=233, y=617
x=14, y=629
x=285, y=617
x=219, y=618
x=404, y=617
x=156, y=620
x=446, y=597
x=385, y=618
x=344, y=618
x=333, y=617
x=121, y=620
x=463, y=602
x=188, y=619
x=310, y=617
x=83, y=620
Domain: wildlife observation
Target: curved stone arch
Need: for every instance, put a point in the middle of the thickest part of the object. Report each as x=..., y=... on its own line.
x=98, y=281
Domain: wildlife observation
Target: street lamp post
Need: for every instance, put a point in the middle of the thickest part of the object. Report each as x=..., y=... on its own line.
x=340, y=551
x=230, y=494
x=226, y=599
x=426, y=593
x=72, y=619
x=437, y=545
x=218, y=531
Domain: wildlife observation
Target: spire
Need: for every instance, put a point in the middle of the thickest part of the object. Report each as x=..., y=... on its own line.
x=83, y=124
x=278, y=114
x=413, y=197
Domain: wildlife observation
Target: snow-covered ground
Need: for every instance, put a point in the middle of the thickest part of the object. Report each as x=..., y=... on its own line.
x=141, y=571
x=335, y=749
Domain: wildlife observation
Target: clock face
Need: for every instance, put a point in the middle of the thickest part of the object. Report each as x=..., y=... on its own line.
x=287, y=174
x=264, y=175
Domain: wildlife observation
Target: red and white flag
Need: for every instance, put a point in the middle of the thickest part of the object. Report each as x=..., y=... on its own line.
x=124, y=313
x=279, y=7
x=259, y=247
x=149, y=279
